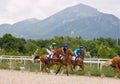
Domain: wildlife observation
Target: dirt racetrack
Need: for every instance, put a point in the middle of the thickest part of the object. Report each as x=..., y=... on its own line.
x=20, y=77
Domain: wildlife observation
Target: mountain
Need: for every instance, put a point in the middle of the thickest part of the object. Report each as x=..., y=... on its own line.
x=4, y=29
x=18, y=29
x=79, y=20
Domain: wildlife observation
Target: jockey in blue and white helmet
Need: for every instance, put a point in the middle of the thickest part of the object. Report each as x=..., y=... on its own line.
x=64, y=48
x=78, y=52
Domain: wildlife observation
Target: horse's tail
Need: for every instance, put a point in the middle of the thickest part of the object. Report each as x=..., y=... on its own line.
x=36, y=57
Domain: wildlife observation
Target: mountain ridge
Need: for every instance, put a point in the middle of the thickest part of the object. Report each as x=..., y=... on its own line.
x=79, y=20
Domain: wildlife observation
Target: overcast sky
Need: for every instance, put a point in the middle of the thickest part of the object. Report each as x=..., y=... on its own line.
x=12, y=11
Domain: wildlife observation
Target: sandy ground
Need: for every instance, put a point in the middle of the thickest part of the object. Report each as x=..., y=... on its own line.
x=20, y=77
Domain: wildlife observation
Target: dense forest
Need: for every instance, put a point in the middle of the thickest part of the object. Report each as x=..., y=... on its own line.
x=100, y=47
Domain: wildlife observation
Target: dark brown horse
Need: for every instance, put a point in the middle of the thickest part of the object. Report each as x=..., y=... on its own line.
x=80, y=61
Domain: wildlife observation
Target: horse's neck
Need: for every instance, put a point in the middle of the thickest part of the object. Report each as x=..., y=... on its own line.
x=69, y=53
x=58, y=53
x=83, y=54
x=82, y=57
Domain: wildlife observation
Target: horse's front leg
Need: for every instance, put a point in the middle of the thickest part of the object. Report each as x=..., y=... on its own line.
x=117, y=68
x=45, y=67
x=67, y=70
x=59, y=69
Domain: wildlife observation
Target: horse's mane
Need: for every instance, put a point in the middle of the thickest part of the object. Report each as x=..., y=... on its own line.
x=60, y=52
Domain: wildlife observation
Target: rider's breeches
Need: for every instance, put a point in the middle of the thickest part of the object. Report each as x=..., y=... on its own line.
x=75, y=54
x=50, y=53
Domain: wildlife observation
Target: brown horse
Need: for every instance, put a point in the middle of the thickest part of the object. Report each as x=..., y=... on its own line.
x=65, y=61
x=69, y=61
x=46, y=62
x=115, y=62
x=79, y=62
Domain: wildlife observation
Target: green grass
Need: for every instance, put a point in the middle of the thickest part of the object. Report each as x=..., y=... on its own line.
x=4, y=64
x=35, y=67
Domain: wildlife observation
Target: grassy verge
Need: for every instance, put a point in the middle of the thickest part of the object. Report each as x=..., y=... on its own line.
x=35, y=67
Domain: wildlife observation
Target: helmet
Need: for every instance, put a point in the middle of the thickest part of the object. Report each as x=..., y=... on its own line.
x=65, y=45
x=53, y=44
x=81, y=47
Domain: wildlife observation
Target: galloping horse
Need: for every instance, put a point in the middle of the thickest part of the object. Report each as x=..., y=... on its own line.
x=45, y=61
x=115, y=62
x=65, y=61
x=79, y=62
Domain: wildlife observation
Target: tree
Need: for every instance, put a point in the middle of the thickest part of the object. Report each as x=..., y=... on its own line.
x=106, y=52
x=31, y=47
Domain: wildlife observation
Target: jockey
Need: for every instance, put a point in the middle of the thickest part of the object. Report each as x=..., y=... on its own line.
x=51, y=50
x=78, y=52
x=64, y=48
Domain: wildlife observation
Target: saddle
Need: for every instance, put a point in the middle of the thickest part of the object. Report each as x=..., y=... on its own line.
x=49, y=57
x=61, y=57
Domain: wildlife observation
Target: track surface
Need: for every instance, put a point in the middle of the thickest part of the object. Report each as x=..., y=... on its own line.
x=20, y=77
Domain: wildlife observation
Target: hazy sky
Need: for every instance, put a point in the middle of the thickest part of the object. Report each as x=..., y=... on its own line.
x=12, y=11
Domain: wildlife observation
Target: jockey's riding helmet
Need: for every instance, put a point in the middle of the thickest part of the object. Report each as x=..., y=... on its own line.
x=65, y=45
x=81, y=47
x=53, y=44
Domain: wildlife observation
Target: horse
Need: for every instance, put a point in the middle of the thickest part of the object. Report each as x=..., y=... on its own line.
x=79, y=62
x=114, y=62
x=46, y=62
x=65, y=61
x=69, y=61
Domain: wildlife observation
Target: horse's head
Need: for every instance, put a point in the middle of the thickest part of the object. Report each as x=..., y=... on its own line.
x=69, y=52
x=83, y=53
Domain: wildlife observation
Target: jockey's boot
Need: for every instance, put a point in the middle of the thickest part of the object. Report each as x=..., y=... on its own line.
x=75, y=58
x=49, y=58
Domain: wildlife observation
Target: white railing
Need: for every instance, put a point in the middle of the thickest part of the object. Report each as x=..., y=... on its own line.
x=98, y=61
x=90, y=61
x=99, y=64
x=11, y=58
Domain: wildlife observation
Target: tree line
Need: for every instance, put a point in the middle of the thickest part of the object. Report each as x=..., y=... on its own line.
x=100, y=47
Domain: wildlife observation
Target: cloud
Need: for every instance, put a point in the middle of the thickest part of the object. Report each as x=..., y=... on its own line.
x=12, y=11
